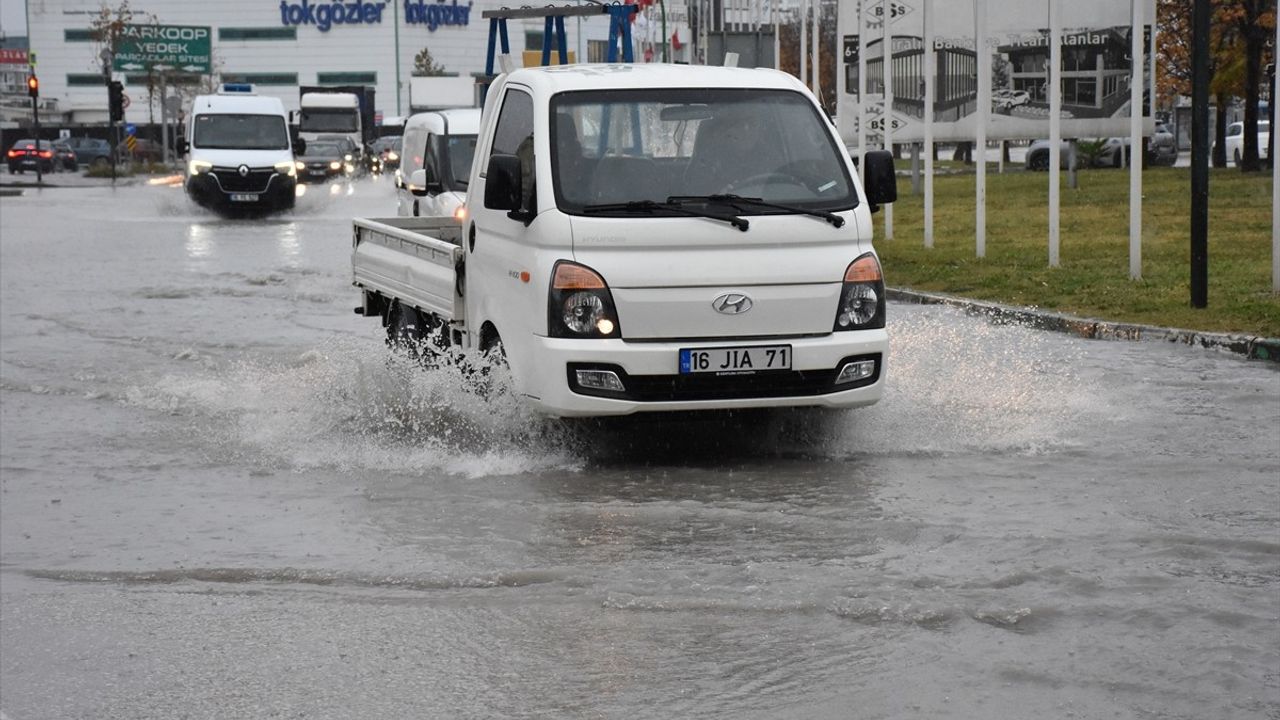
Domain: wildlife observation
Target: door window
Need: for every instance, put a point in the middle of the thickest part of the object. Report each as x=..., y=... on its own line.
x=514, y=136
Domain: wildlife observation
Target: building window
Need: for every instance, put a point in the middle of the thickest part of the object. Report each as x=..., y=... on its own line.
x=86, y=80
x=155, y=80
x=347, y=78
x=597, y=51
x=532, y=39
x=258, y=33
x=78, y=35
x=261, y=78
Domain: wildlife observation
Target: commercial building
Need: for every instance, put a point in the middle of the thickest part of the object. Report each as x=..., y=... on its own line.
x=280, y=45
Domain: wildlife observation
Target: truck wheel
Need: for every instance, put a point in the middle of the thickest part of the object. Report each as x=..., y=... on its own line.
x=405, y=329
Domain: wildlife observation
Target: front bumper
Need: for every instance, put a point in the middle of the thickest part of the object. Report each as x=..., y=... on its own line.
x=277, y=192
x=652, y=382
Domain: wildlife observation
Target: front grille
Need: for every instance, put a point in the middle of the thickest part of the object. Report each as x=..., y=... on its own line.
x=678, y=388
x=255, y=181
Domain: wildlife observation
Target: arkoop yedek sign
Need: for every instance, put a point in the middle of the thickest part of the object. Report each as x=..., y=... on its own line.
x=163, y=47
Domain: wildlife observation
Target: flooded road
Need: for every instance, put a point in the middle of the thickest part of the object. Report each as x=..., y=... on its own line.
x=221, y=497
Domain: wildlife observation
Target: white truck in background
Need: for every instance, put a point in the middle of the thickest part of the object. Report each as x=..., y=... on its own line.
x=647, y=238
x=342, y=113
x=436, y=152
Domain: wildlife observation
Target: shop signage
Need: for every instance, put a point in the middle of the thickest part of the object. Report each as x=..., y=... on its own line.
x=433, y=15
x=325, y=15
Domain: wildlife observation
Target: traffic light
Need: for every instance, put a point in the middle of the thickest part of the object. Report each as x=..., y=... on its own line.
x=33, y=86
x=115, y=96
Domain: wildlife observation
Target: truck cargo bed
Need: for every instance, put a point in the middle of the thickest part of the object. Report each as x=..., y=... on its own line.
x=414, y=260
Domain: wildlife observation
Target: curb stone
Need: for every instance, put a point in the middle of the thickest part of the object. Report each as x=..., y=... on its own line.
x=1254, y=348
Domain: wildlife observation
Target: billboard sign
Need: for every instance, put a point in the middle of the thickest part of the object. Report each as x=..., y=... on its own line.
x=184, y=48
x=1094, y=50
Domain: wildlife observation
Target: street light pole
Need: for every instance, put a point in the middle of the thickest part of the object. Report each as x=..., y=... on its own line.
x=106, y=55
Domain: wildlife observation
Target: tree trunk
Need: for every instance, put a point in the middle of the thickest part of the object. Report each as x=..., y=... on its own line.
x=1252, y=81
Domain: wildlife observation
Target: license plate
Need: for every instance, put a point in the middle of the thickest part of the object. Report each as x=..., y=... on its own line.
x=736, y=360
x=244, y=197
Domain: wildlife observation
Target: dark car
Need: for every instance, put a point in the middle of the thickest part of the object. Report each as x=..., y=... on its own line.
x=386, y=150
x=144, y=151
x=27, y=154
x=94, y=152
x=63, y=156
x=324, y=161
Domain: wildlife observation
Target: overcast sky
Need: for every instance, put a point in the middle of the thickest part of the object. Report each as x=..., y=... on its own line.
x=13, y=17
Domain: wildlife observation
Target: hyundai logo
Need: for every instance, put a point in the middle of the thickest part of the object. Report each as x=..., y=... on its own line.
x=732, y=303
x=243, y=170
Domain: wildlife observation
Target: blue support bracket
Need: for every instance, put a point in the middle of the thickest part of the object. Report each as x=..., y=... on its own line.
x=620, y=29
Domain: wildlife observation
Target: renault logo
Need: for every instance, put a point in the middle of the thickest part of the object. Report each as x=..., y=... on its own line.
x=732, y=303
x=243, y=170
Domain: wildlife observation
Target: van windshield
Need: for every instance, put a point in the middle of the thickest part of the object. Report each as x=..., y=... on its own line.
x=240, y=132
x=621, y=146
x=334, y=120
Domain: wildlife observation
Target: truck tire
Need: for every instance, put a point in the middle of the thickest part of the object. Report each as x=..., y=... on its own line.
x=405, y=329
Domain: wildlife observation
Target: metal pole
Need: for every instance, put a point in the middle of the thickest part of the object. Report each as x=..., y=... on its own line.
x=1055, y=126
x=887, y=132
x=817, y=52
x=1275, y=181
x=930, y=77
x=984, y=108
x=1200, y=154
x=1135, y=144
x=35, y=117
x=804, y=41
x=862, y=86
x=395, y=22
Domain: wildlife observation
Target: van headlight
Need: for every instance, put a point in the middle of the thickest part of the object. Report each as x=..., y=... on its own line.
x=579, y=304
x=287, y=168
x=199, y=167
x=862, y=303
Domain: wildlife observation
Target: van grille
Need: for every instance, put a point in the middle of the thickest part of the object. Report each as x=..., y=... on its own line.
x=256, y=180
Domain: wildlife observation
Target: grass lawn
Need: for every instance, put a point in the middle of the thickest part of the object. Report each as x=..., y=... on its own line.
x=1092, y=279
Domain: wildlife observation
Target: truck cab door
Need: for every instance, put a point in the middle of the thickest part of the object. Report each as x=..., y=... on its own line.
x=495, y=239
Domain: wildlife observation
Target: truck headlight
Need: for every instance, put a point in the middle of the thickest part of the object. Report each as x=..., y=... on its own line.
x=861, y=304
x=199, y=167
x=287, y=167
x=579, y=304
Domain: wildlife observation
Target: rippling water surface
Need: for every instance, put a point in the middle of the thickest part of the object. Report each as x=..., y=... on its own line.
x=222, y=497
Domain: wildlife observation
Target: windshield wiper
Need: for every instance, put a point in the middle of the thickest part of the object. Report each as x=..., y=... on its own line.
x=734, y=200
x=650, y=206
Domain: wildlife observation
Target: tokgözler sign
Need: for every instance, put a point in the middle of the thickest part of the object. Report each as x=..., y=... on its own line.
x=184, y=48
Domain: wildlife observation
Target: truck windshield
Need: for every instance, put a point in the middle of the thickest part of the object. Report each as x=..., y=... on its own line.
x=329, y=120
x=241, y=132
x=621, y=146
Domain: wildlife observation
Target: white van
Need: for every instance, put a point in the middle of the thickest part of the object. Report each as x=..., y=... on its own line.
x=642, y=238
x=240, y=155
x=435, y=159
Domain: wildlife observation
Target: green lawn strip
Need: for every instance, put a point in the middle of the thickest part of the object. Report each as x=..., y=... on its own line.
x=1092, y=279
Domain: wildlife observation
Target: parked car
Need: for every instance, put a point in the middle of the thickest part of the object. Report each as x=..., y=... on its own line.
x=1114, y=153
x=1163, y=148
x=1006, y=99
x=27, y=154
x=94, y=152
x=63, y=156
x=323, y=161
x=144, y=151
x=1235, y=140
x=386, y=150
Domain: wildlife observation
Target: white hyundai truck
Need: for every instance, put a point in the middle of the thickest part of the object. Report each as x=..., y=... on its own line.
x=645, y=238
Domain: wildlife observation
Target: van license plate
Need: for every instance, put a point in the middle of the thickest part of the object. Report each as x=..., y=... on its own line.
x=244, y=197
x=741, y=360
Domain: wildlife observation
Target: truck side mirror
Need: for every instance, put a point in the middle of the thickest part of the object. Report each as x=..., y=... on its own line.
x=299, y=146
x=879, y=181
x=418, y=183
x=430, y=179
x=502, y=183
